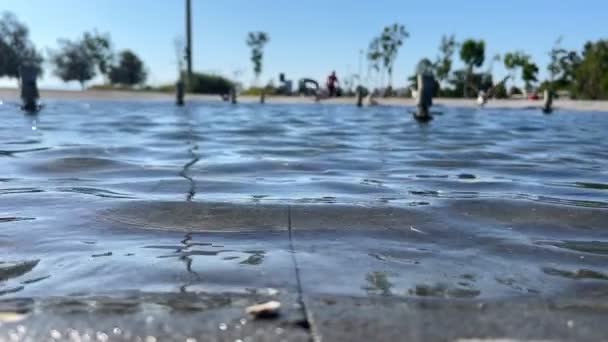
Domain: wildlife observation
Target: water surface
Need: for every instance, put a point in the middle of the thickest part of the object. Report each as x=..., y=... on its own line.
x=110, y=197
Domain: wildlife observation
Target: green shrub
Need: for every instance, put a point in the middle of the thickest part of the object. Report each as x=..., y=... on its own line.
x=208, y=84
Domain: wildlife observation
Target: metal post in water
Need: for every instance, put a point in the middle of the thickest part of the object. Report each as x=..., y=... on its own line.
x=359, y=96
x=29, y=88
x=188, y=41
x=263, y=96
x=179, y=93
x=426, y=85
x=233, y=95
x=548, y=106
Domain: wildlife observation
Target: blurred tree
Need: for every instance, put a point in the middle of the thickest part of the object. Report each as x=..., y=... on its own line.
x=72, y=62
x=99, y=49
x=591, y=81
x=81, y=59
x=473, y=55
x=391, y=40
x=130, y=70
x=443, y=65
x=209, y=84
x=529, y=70
x=15, y=47
x=374, y=55
x=256, y=42
x=562, y=67
x=554, y=55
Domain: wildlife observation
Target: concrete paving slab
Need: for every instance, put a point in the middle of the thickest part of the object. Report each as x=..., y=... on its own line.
x=198, y=216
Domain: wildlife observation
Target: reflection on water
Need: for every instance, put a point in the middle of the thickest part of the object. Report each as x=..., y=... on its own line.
x=378, y=283
x=190, y=136
x=142, y=196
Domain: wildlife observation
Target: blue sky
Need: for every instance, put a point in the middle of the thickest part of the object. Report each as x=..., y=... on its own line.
x=308, y=38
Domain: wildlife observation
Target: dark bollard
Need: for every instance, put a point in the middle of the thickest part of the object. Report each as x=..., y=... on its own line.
x=426, y=85
x=548, y=106
x=29, y=88
x=179, y=93
x=263, y=96
x=233, y=95
x=359, y=97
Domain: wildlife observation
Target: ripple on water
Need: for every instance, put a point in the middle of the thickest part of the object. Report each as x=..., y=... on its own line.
x=578, y=274
x=78, y=164
x=95, y=192
x=10, y=270
x=495, y=182
x=592, y=247
x=15, y=219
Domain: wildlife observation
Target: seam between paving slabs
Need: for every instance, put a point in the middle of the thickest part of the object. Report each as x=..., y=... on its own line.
x=195, y=158
x=309, y=322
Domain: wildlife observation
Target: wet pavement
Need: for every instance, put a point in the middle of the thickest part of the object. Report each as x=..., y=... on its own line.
x=139, y=222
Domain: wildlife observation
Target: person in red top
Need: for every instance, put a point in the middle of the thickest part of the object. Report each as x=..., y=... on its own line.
x=332, y=80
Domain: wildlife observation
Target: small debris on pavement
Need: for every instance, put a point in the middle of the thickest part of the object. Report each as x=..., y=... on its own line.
x=264, y=310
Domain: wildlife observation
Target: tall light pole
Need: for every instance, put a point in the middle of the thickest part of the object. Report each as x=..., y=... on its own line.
x=188, y=41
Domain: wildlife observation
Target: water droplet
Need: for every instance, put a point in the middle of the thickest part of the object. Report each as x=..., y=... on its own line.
x=243, y=321
x=101, y=336
x=223, y=326
x=55, y=334
x=570, y=324
x=117, y=331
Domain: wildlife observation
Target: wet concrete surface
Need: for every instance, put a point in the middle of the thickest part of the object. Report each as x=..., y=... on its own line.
x=142, y=222
x=342, y=273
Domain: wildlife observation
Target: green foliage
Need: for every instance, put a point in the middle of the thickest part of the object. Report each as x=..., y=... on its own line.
x=73, y=63
x=130, y=70
x=374, y=54
x=515, y=91
x=591, y=76
x=382, y=50
x=257, y=91
x=81, y=59
x=256, y=42
x=391, y=39
x=465, y=82
x=15, y=47
x=529, y=70
x=562, y=67
x=443, y=65
x=209, y=84
x=363, y=90
x=99, y=49
x=500, y=91
x=473, y=53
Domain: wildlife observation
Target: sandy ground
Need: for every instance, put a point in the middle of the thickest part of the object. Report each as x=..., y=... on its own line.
x=13, y=95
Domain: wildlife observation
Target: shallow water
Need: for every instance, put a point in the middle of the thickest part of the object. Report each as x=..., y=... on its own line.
x=111, y=197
